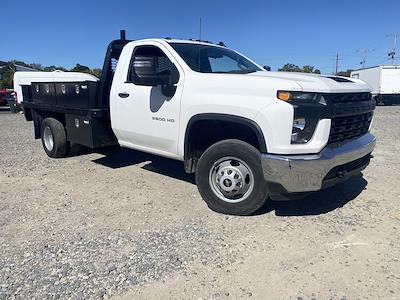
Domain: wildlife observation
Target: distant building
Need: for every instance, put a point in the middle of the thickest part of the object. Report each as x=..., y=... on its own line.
x=16, y=67
x=20, y=68
x=13, y=67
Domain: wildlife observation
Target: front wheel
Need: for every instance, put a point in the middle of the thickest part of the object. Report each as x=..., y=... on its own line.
x=230, y=179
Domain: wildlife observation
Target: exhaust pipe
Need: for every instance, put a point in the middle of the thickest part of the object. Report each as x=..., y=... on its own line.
x=122, y=35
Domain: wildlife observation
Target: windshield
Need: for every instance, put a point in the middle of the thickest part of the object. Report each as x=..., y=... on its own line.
x=211, y=59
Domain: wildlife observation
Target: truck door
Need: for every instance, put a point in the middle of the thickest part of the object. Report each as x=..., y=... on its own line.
x=147, y=117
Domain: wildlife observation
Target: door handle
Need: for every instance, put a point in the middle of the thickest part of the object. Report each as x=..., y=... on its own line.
x=123, y=95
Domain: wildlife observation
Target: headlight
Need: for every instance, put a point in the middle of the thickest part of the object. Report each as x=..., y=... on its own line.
x=303, y=130
x=299, y=96
x=307, y=110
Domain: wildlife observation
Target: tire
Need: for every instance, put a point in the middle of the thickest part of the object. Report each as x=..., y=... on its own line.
x=54, y=140
x=226, y=165
x=12, y=105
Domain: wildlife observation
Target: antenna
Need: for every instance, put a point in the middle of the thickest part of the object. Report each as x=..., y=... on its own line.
x=200, y=30
x=365, y=55
x=392, y=53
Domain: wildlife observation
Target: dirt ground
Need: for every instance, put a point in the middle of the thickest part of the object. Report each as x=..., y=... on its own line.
x=126, y=225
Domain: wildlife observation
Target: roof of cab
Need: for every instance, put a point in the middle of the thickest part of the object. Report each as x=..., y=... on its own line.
x=181, y=41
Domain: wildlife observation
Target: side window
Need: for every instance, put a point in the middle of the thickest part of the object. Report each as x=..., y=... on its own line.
x=356, y=75
x=149, y=60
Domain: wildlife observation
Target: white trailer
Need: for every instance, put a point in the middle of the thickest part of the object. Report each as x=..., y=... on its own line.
x=384, y=80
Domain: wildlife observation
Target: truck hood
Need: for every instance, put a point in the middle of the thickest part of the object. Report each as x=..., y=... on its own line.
x=318, y=83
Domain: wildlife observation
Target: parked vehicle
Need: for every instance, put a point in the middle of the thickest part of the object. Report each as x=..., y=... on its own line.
x=3, y=97
x=246, y=133
x=384, y=80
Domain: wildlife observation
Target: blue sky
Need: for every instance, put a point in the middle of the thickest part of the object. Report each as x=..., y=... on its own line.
x=270, y=32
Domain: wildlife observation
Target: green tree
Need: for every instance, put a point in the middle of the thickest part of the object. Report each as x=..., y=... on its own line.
x=295, y=68
x=7, y=78
x=345, y=73
x=54, y=68
x=96, y=72
x=290, y=68
x=36, y=66
x=81, y=68
x=310, y=69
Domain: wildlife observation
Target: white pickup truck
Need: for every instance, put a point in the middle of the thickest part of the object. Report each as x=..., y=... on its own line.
x=246, y=133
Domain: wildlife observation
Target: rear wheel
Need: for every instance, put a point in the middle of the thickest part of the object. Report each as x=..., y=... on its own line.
x=230, y=179
x=54, y=138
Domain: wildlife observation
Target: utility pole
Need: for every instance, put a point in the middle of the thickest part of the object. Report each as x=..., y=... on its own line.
x=337, y=63
x=392, y=53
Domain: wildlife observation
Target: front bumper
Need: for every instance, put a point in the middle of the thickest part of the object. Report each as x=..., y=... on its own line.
x=306, y=173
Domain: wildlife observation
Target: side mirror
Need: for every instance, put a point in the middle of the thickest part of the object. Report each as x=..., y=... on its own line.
x=145, y=72
x=267, y=68
x=155, y=79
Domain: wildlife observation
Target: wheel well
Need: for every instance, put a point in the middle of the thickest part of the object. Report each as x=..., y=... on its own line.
x=38, y=117
x=203, y=132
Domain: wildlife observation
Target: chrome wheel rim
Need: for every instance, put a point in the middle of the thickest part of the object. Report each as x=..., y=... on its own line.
x=231, y=179
x=48, y=138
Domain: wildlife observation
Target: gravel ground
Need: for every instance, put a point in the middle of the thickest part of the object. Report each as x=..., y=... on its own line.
x=127, y=225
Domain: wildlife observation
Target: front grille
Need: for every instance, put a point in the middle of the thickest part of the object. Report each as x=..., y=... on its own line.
x=348, y=97
x=344, y=128
x=341, y=170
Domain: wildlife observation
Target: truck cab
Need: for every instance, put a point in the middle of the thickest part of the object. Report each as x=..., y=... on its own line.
x=246, y=133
